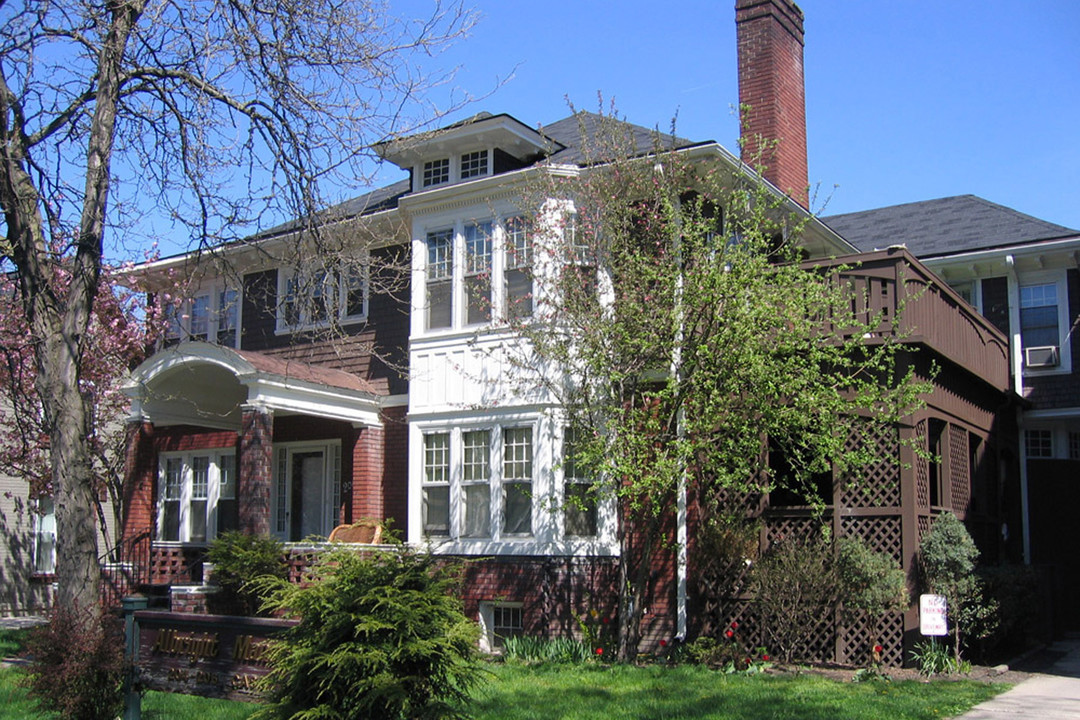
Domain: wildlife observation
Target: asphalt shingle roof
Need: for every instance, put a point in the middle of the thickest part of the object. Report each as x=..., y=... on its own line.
x=946, y=226
x=576, y=132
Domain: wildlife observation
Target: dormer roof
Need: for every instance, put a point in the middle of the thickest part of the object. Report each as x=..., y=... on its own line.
x=479, y=131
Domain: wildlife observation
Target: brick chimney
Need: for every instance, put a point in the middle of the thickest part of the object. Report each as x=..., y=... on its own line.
x=770, y=37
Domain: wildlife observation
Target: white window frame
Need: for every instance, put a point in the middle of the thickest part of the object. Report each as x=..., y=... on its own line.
x=575, y=480
x=1059, y=279
x=428, y=176
x=336, y=285
x=474, y=164
x=489, y=638
x=180, y=316
x=213, y=493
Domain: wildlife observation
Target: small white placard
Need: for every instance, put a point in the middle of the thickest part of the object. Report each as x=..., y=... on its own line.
x=932, y=614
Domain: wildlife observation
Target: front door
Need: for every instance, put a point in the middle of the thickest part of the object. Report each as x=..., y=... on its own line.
x=305, y=492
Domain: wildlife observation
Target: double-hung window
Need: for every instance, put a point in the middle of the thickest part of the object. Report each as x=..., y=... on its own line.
x=476, y=482
x=1039, y=331
x=436, y=484
x=517, y=480
x=579, y=501
x=478, y=272
x=45, y=537
x=196, y=495
x=440, y=279
x=517, y=274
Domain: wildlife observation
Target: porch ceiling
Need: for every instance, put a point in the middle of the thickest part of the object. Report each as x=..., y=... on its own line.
x=208, y=385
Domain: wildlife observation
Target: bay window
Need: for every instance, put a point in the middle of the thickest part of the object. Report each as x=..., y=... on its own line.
x=436, y=484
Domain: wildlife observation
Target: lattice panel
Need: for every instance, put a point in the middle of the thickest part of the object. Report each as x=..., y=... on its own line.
x=787, y=528
x=922, y=468
x=861, y=634
x=877, y=484
x=821, y=645
x=959, y=475
x=924, y=526
x=749, y=633
x=880, y=533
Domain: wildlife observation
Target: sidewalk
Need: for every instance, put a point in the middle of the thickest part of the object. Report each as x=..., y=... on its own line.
x=1052, y=694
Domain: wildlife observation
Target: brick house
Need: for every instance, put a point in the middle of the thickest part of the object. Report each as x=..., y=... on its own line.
x=300, y=389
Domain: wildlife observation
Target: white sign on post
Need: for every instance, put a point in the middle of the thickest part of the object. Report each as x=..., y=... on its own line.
x=932, y=614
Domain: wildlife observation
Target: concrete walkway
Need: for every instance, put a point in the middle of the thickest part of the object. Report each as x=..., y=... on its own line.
x=1052, y=694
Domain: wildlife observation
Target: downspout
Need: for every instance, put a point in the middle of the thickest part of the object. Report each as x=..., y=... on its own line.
x=1016, y=355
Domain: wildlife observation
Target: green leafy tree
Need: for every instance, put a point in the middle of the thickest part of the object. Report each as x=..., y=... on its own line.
x=680, y=330
x=381, y=635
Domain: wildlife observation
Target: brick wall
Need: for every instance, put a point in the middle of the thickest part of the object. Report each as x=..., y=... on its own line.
x=256, y=471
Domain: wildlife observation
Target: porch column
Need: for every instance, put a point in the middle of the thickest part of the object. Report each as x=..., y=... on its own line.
x=256, y=469
x=139, y=513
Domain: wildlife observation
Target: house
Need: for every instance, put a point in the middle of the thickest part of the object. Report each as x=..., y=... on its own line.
x=1021, y=274
x=322, y=374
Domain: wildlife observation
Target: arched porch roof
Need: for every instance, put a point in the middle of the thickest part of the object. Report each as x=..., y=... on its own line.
x=202, y=384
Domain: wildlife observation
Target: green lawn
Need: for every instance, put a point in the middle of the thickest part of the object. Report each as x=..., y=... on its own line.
x=515, y=692
x=693, y=693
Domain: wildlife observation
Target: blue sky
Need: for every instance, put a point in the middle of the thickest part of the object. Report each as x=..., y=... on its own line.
x=906, y=100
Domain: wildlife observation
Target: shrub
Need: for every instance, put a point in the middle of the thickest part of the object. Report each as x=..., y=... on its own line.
x=380, y=636
x=238, y=559
x=947, y=556
x=727, y=655
x=1012, y=591
x=76, y=669
x=934, y=658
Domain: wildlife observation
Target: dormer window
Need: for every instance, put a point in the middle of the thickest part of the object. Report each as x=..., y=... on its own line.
x=474, y=164
x=437, y=172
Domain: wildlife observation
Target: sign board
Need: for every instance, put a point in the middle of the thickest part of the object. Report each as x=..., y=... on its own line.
x=209, y=655
x=932, y=615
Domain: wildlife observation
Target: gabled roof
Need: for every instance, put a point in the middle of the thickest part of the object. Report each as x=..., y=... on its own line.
x=946, y=226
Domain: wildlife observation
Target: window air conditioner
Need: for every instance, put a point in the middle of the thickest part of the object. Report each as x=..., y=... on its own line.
x=1041, y=357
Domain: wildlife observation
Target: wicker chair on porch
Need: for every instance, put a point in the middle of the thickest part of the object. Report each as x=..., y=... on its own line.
x=361, y=531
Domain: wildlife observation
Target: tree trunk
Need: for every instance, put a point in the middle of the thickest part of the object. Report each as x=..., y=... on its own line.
x=58, y=316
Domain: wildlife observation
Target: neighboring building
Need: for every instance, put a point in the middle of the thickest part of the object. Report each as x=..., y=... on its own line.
x=28, y=552
x=1021, y=274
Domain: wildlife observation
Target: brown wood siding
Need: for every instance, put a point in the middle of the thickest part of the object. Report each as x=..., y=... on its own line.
x=375, y=350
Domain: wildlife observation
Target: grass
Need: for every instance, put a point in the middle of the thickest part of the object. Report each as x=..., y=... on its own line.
x=580, y=692
x=12, y=641
x=585, y=692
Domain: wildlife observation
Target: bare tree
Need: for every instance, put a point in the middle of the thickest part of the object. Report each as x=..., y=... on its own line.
x=220, y=114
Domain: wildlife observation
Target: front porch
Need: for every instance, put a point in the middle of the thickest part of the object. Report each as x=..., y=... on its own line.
x=220, y=440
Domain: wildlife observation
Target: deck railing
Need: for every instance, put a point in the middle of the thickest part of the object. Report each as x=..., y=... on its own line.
x=906, y=298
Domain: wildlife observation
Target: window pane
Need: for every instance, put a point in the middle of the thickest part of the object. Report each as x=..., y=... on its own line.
x=227, y=509
x=439, y=272
x=476, y=475
x=45, y=537
x=579, y=510
x=517, y=508
x=517, y=481
x=172, y=484
x=227, y=315
x=200, y=318
x=355, y=285
x=436, y=508
x=478, y=271
x=477, y=511
x=474, y=164
x=436, y=172
x=290, y=309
